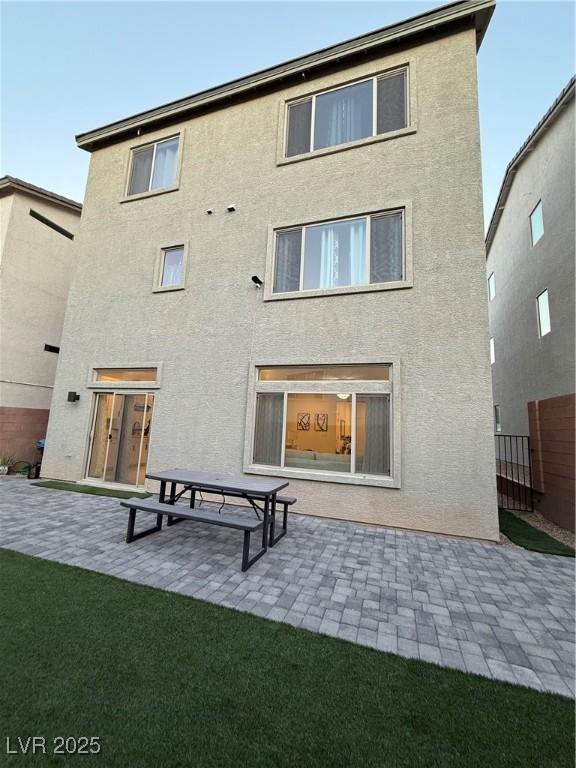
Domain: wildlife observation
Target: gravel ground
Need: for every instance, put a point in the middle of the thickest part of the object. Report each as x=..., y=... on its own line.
x=537, y=520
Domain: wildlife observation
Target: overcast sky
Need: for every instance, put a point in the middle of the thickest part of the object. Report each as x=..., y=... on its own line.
x=70, y=67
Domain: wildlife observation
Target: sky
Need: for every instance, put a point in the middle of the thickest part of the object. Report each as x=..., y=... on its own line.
x=70, y=67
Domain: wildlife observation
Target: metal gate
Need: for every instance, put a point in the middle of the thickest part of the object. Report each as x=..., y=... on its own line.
x=514, y=472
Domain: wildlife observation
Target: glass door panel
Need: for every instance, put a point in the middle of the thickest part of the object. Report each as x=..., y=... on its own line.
x=146, y=427
x=100, y=433
x=114, y=437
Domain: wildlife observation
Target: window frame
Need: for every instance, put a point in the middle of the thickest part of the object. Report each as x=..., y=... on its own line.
x=157, y=190
x=157, y=286
x=356, y=387
x=533, y=211
x=540, y=334
x=410, y=127
x=107, y=386
x=404, y=207
x=491, y=286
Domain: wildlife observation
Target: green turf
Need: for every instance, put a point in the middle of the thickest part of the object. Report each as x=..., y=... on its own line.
x=59, y=485
x=525, y=535
x=166, y=681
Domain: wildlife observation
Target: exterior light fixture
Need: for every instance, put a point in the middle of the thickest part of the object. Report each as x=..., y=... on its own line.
x=73, y=397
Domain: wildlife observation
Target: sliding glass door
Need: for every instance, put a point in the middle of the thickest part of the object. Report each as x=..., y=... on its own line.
x=120, y=437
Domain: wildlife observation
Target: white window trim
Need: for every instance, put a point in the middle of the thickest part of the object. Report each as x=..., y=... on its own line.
x=391, y=387
x=117, y=385
x=159, y=268
x=406, y=67
x=532, y=241
x=405, y=207
x=540, y=334
x=492, y=351
x=158, y=190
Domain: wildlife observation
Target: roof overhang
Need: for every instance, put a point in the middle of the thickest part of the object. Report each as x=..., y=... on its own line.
x=403, y=34
x=10, y=184
x=529, y=145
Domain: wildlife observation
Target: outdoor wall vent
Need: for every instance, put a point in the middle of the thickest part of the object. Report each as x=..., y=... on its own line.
x=73, y=397
x=231, y=208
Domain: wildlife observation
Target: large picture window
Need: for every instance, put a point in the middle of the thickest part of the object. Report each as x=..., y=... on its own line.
x=324, y=420
x=154, y=166
x=368, y=108
x=357, y=251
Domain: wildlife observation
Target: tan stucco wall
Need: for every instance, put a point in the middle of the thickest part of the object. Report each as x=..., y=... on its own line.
x=207, y=335
x=36, y=265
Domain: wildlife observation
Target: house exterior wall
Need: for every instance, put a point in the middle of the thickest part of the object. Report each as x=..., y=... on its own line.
x=36, y=264
x=528, y=367
x=209, y=336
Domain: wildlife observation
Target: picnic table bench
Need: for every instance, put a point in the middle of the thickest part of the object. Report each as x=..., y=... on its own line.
x=253, y=490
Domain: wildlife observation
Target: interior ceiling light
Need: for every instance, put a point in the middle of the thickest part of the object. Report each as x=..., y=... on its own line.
x=343, y=396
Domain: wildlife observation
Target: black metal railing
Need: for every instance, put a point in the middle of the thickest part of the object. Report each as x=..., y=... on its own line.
x=514, y=472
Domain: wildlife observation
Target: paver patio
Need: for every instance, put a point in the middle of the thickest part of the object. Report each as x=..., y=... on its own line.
x=500, y=612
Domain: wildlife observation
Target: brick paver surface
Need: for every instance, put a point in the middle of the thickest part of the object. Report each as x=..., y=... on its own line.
x=504, y=613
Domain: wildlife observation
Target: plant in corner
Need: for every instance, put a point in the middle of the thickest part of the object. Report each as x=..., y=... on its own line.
x=6, y=461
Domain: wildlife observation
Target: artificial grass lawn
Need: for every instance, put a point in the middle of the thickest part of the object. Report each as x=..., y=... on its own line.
x=59, y=485
x=168, y=681
x=525, y=535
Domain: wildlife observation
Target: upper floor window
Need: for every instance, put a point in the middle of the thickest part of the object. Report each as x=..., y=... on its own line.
x=492, y=352
x=349, y=113
x=154, y=166
x=537, y=223
x=497, y=419
x=358, y=251
x=124, y=374
x=491, y=286
x=544, y=325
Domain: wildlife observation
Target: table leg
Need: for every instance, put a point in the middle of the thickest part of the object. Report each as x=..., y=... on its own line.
x=162, y=496
x=272, y=518
x=266, y=517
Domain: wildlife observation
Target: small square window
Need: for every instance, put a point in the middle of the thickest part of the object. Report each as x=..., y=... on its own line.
x=544, y=326
x=537, y=223
x=172, y=268
x=492, y=352
x=491, y=286
x=154, y=166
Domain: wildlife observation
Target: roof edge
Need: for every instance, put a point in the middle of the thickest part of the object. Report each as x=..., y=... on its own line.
x=480, y=10
x=511, y=169
x=10, y=184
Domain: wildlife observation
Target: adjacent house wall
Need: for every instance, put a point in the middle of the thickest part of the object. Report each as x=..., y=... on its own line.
x=208, y=336
x=528, y=367
x=36, y=266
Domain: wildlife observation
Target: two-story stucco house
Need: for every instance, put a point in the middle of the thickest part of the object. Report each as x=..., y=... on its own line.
x=347, y=183
x=530, y=274
x=36, y=266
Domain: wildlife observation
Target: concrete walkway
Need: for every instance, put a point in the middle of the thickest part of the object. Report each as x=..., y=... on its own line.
x=500, y=612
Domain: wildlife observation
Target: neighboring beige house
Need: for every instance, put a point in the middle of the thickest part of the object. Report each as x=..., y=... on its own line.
x=348, y=182
x=37, y=261
x=530, y=274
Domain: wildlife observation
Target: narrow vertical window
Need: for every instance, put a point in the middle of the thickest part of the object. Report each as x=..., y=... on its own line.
x=386, y=252
x=172, y=273
x=268, y=428
x=497, y=422
x=537, y=223
x=288, y=258
x=491, y=286
x=299, y=128
x=544, y=326
x=492, y=352
x=391, y=114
